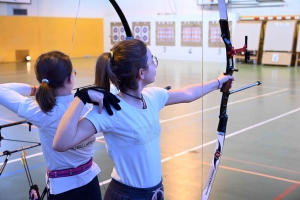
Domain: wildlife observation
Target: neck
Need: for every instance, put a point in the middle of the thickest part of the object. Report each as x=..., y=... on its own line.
x=133, y=96
x=140, y=98
x=63, y=92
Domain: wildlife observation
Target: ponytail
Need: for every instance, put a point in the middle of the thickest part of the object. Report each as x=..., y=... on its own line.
x=51, y=70
x=104, y=75
x=45, y=97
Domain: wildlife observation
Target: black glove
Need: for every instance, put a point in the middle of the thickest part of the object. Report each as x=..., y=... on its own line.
x=109, y=98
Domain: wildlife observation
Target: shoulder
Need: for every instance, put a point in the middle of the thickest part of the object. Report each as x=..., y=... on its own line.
x=152, y=91
x=156, y=94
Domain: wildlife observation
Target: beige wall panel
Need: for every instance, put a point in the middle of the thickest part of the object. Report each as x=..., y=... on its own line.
x=42, y=34
x=279, y=35
x=277, y=58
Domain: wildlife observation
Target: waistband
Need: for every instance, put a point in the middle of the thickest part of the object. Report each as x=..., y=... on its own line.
x=135, y=192
x=71, y=171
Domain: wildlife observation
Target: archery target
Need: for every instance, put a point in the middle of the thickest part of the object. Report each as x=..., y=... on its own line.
x=122, y=33
x=145, y=29
x=191, y=34
x=115, y=33
x=161, y=34
x=141, y=31
x=165, y=33
x=137, y=32
x=169, y=34
x=196, y=34
x=186, y=34
x=145, y=38
x=215, y=33
x=145, y=34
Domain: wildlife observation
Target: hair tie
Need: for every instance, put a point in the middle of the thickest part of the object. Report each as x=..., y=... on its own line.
x=111, y=54
x=45, y=81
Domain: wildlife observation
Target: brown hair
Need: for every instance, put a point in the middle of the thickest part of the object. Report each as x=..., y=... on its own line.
x=121, y=65
x=54, y=66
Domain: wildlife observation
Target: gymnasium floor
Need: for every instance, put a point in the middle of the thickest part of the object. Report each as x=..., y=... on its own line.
x=260, y=160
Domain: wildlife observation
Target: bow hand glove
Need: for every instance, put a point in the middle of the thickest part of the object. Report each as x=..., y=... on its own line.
x=108, y=100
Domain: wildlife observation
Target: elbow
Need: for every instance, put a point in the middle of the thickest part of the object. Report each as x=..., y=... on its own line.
x=59, y=148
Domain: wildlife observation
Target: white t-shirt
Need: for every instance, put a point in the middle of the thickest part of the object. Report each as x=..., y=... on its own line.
x=27, y=108
x=132, y=136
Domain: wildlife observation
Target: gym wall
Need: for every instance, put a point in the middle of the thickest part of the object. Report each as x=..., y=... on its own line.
x=37, y=35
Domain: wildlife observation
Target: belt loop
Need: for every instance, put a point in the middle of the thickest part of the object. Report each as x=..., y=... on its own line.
x=70, y=171
x=55, y=174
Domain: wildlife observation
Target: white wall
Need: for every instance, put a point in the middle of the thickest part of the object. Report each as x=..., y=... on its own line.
x=60, y=8
x=101, y=8
x=291, y=7
x=190, y=7
x=152, y=11
x=176, y=52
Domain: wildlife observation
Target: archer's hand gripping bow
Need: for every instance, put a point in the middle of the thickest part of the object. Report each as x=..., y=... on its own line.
x=230, y=52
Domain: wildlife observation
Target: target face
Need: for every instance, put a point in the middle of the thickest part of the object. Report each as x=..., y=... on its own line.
x=137, y=29
x=145, y=38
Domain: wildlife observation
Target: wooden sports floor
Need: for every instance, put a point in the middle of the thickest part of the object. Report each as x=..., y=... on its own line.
x=260, y=159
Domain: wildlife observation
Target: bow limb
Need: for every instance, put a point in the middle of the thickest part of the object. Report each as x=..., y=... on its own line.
x=225, y=34
x=123, y=19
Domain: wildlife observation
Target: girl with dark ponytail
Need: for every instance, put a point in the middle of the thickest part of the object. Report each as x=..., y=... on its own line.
x=132, y=135
x=55, y=73
x=51, y=70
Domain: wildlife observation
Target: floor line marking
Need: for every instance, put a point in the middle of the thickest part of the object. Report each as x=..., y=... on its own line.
x=287, y=191
x=217, y=107
x=296, y=183
x=194, y=148
x=197, y=147
x=231, y=135
x=257, y=164
x=162, y=121
x=104, y=182
x=255, y=173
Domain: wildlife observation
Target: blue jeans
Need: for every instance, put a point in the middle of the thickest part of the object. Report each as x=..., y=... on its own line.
x=120, y=191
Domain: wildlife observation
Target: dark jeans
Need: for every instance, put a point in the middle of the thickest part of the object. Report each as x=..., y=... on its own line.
x=120, y=191
x=90, y=191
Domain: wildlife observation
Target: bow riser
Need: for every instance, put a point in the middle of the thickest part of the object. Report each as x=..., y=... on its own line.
x=223, y=117
x=225, y=34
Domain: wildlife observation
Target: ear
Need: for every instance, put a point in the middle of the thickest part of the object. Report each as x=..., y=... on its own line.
x=141, y=74
x=69, y=79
